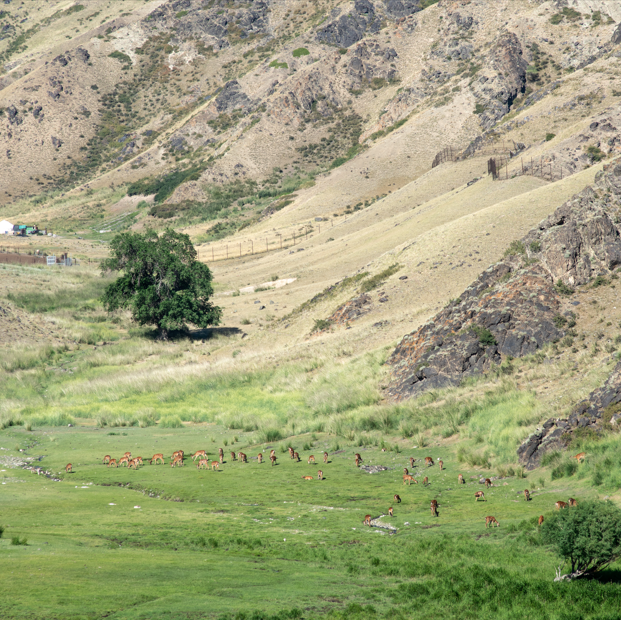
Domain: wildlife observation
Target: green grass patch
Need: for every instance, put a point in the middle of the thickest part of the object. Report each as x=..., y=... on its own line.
x=374, y=281
x=300, y=51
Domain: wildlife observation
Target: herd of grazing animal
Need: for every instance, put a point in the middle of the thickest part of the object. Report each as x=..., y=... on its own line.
x=203, y=463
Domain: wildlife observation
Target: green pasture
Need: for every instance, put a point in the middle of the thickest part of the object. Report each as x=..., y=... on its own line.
x=257, y=541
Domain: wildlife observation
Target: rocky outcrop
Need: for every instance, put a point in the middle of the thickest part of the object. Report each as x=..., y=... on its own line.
x=401, y=8
x=513, y=308
x=351, y=310
x=232, y=96
x=351, y=27
x=600, y=408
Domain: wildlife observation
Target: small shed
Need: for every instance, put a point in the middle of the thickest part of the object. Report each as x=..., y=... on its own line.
x=6, y=228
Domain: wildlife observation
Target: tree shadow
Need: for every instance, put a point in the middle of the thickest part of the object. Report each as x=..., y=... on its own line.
x=608, y=576
x=208, y=333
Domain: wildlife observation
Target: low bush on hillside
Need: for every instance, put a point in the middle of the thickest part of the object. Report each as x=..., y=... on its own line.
x=374, y=281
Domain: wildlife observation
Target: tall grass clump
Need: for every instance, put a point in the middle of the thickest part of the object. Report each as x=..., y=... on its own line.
x=54, y=418
x=269, y=435
x=171, y=421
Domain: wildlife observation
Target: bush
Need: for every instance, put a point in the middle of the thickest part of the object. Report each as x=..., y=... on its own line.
x=320, y=325
x=270, y=434
x=563, y=289
x=173, y=421
x=550, y=136
x=375, y=281
x=486, y=338
x=516, y=247
x=568, y=468
x=301, y=51
x=588, y=535
x=535, y=247
x=16, y=540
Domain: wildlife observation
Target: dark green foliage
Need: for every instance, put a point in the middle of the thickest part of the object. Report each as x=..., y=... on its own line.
x=599, y=281
x=486, y=338
x=550, y=136
x=162, y=283
x=566, y=469
x=535, y=247
x=121, y=57
x=278, y=65
x=181, y=14
x=165, y=185
x=320, y=325
x=515, y=248
x=1, y=530
x=16, y=540
x=595, y=154
x=560, y=321
x=374, y=281
x=479, y=109
x=563, y=289
x=301, y=51
x=588, y=535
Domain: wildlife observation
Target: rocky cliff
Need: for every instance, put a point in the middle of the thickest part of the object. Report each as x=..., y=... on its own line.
x=516, y=306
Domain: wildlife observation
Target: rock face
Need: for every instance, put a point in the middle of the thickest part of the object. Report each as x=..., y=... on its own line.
x=351, y=310
x=601, y=407
x=513, y=308
x=232, y=96
x=401, y=8
x=352, y=27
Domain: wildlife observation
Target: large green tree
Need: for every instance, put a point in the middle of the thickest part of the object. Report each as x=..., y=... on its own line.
x=588, y=535
x=161, y=281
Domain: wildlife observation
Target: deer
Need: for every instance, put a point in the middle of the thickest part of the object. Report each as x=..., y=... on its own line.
x=357, y=463
x=124, y=459
x=272, y=453
x=491, y=521
x=260, y=458
x=572, y=502
x=112, y=463
x=158, y=457
x=367, y=520
x=425, y=481
x=580, y=457
x=434, y=508
x=215, y=465
x=479, y=495
x=106, y=459
x=221, y=459
x=412, y=459
x=359, y=457
x=460, y=479
x=488, y=483
x=176, y=461
x=139, y=460
x=221, y=454
x=273, y=459
x=177, y=453
x=242, y=457
x=325, y=457
x=128, y=455
x=409, y=479
x=311, y=459
x=68, y=468
x=405, y=471
x=296, y=457
x=203, y=463
x=290, y=451
x=540, y=520
x=560, y=505
x=233, y=457
x=441, y=464
x=132, y=463
x=428, y=461
x=390, y=513
x=320, y=475
x=397, y=499
x=307, y=477
x=526, y=495
x=199, y=453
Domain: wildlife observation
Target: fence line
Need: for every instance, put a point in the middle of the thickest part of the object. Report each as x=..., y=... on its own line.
x=499, y=169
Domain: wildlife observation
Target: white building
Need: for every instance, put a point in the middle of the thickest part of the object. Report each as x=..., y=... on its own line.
x=6, y=228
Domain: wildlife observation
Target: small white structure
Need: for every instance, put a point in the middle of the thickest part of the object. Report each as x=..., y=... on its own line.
x=6, y=228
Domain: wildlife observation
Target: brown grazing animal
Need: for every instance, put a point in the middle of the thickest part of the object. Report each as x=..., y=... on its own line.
x=221, y=453
x=359, y=457
x=320, y=475
x=290, y=451
x=357, y=463
x=580, y=457
x=272, y=453
x=479, y=495
x=540, y=519
x=123, y=459
x=69, y=467
x=526, y=495
x=311, y=459
x=409, y=479
x=203, y=463
x=132, y=463
x=107, y=459
x=367, y=520
x=406, y=471
x=460, y=479
x=390, y=512
x=325, y=457
x=572, y=502
x=221, y=458
x=491, y=521
x=307, y=477
x=434, y=508
x=233, y=457
x=273, y=459
x=397, y=499
x=242, y=457
x=199, y=453
x=560, y=505
x=425, y=481
x=215, y=465
x=412, y=459
x=178, y=461
x=428, y=461
x=158, y=457
x=128, y=455
x=441, y=464
x=112, y=463
x=178, y=453
x=488, y=483
x=296, y=457
x=260, y=458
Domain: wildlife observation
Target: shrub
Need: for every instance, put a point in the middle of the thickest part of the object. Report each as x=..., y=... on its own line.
x=515, y=248
x=278, y=65
x=486, y=338
x=595, y=154
x=16, y=540
x=535, y=247
x=560, y=321
x=588, y=535
x=479, y=109
x=550, y=136
x=269, y=435
x=301, y=51
x=173, y=421
x=563, y=289
x=320, y=325
x=374, y=281
x=568, y=468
